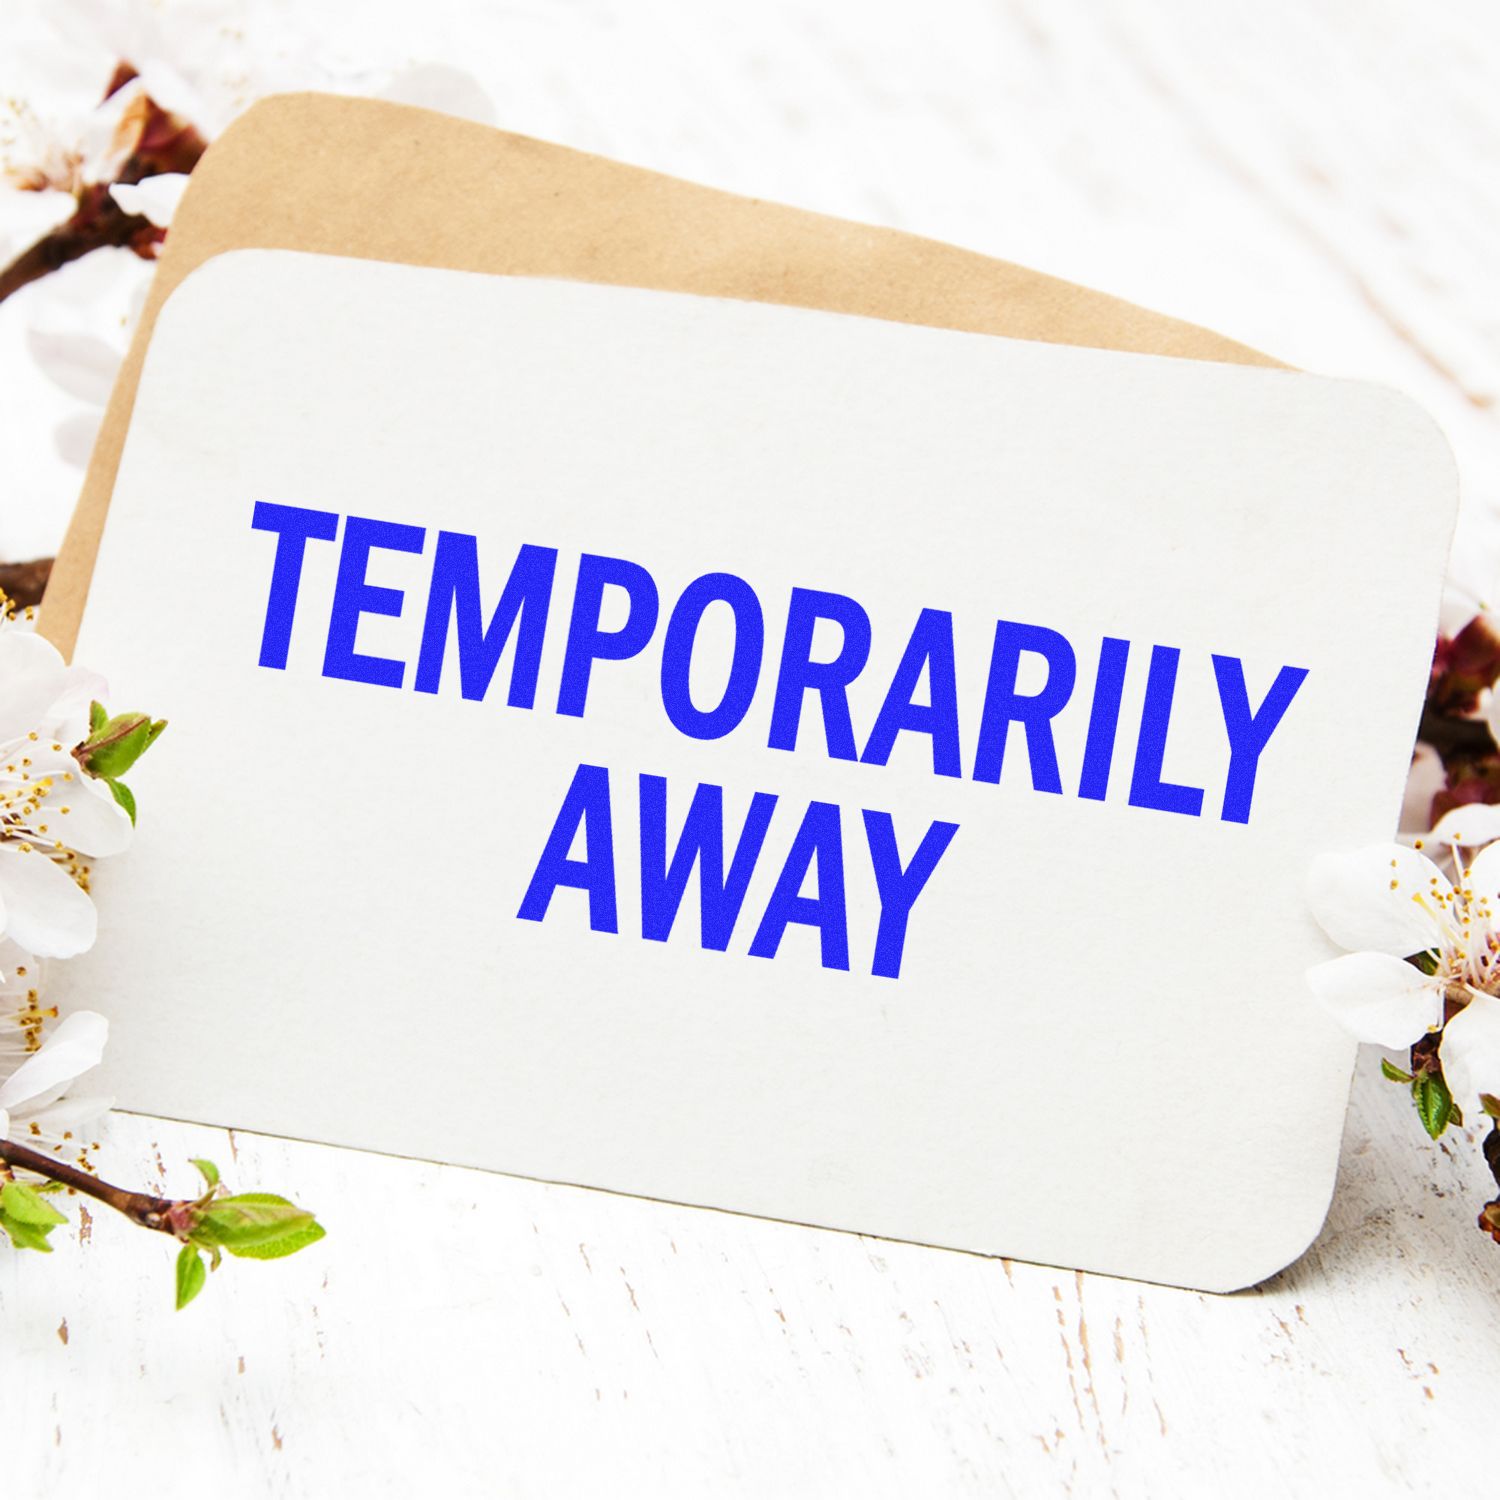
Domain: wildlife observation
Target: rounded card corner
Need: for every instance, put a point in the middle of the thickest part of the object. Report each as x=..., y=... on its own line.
x=1405, y=420
x=1293, y=1238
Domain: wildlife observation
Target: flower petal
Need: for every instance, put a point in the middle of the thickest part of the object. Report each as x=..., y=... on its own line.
x=19, y=971
x=94, y=823
x=68, y=716
x=1481, y=876
x=79, y=363
x=1470, y=1051
x=1385, y=898
x=1378, y=998
x=44, y=910
x=76, y=1046
x=154, y=197
x=1423, y=782
x=69, y=1116
x=1470, y=826
x=74, y=437
x=440, y=87
x=32, y=678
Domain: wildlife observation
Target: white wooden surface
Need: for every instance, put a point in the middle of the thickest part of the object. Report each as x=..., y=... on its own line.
x=1316, y=177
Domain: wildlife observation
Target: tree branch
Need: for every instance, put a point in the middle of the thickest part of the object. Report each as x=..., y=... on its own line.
x=24, y=583
x=163, y=1214
x=98, y=222
x=1455, y=737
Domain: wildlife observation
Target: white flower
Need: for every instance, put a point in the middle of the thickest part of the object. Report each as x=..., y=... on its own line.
x=198, y=61
x=32, y=1099
x=1388, y=903
x=41, y=1058
x=33, y=1103
x=196, y=58
x=50, y=811
x=64, y=151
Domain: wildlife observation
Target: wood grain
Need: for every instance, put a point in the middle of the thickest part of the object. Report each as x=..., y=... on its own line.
x=1316, y=179
x=543, y=1340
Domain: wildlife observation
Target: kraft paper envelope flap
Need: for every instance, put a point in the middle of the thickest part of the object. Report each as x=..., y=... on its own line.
x=382, y=181
x=1084, y=1038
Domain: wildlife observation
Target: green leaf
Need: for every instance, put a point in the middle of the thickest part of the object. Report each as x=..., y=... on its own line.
x=98, y=717
x=208, y=1169
x=1427, y=962
x=1392, y=1072
x=25, y=1236
x=26, y=1217
x=203, y=1239
x=113, y=750
x=1490, y=1105
x=1434, y=1103
x=191, y=1275
x=156, y=732
x=23, y=1203
x=250, y=1220
x=123, y=795
x=289, y=1244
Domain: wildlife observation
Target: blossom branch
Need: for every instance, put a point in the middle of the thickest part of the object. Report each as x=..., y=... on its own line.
x=258, y=1226
x=161, y=143
x=140, y=1208
x=98, y=223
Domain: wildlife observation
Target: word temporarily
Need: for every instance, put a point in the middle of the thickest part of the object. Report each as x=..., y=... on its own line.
x=921, y=700
x=453, y=608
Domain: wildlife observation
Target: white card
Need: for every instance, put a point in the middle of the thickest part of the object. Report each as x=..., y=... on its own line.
x=1008, y=958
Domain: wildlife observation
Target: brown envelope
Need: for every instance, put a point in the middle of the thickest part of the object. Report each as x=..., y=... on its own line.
x=359, y=177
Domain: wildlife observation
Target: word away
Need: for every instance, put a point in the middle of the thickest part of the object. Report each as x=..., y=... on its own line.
x=817, y=849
